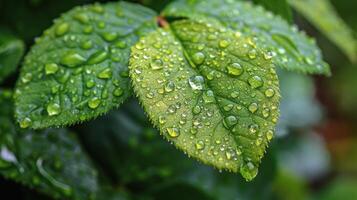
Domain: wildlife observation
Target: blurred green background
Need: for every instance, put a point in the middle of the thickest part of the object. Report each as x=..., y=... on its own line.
x=314, y=155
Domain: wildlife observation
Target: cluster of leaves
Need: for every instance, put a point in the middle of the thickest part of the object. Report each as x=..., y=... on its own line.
x=204, y=71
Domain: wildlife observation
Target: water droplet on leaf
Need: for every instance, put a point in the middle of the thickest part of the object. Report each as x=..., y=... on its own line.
x=196, y=82
x=51, y=68
x=94, y=103
x=173, y=132
x=198, y=58
x=253, y=107
x=62, y=29
x=255, y=82
x=235, y=69
x=53, y=109
x=72, y=59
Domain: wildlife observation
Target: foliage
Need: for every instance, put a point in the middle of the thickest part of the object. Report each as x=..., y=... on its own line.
x=206, y=74
x=331, y=24
x=11, y=50
x=78, y=69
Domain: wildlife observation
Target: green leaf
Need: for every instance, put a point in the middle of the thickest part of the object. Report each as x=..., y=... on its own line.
x=290, y=49
x=78, y=69
x=11, y=51
x=342, y=187
x=129, y=142
x=210, y=91
x=50, y=161
x=330, y=24
x=278, y=7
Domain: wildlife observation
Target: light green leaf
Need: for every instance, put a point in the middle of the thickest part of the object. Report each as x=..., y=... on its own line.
x=50, y=161
x=78, y=69
x=290, y=49
x=210, y=91
x=323, y=15
x=278, y=7
x=11, y=51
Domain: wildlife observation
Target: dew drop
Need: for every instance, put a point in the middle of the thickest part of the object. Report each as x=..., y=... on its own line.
x=230, y=121
x=198, y=58
x=269, y=134
x=26, y=78
x=97, y=57
x=193, y=131
x=101, y=25
x=140, y=46
x=51, y=68
x=259, y=141
x=253, y=107
x=196, y=110
x=228, y=155
x=200, y=145
x=118, y=92
x=98, y=9
x=105, y=74
x=25, y=123
x=211, y=37
x=252, y=54
x=156, y=64
x=72, y=59
x=87, y=45
x=162, y=120
x=82, y=17
x=235, y=69
x=62, y=29
x=88, y=29
x=266, y=112
x=253, y=128
x=248, y=171
x=120, y=44
x=109, y=36
x=210, y=75
x=228, y=107
x=196, y=82
x=255, y=82
x=269, y=92
x=268, y=55
x=90, y=83
x=223, y=43
x=170, y=86
x=173, y=132
x=94, y=103
x=53, y=109
x=208, y=96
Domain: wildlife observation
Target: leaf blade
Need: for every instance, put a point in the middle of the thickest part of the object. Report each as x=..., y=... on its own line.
x=11, y=51
x=51, y=161
x=291, y=49
x=278, y=7
x=330, y=25
x=177, y=72
x=78, y=69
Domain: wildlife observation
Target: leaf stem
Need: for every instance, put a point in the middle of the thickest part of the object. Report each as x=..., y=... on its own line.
x=162, y=22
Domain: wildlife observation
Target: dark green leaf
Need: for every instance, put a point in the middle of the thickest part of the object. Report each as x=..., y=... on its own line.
x=323, y=15
x=340, y=188
x=11, y=51
x=179, y=191
x=130, y=144
x=210, y=91
x=50, y=161
x=278, y=7
x=290, y=49
x=78, y=69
